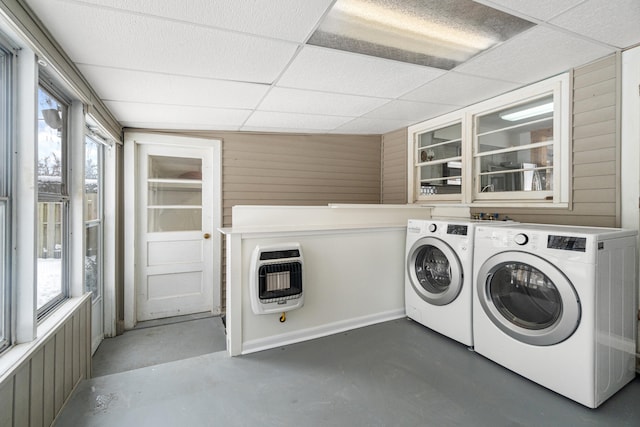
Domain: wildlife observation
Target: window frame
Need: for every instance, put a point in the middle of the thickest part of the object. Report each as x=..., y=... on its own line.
x=414, y=165
x=63, y=198
x=7, y=106
x=98, y=222
x=560, y=87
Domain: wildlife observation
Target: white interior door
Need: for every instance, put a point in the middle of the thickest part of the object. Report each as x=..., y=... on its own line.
x=175, y=230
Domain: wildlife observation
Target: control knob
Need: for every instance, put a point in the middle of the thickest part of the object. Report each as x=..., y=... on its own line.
x=432, y=227
x=520, y=239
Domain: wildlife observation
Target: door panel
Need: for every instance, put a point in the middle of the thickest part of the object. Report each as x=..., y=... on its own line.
x=174, y=228
x=528, y=298
x=176, y=252
x=435, y=271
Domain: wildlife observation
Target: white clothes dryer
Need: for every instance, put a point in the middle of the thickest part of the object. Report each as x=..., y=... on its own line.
x=438, y=276
x=557, y=305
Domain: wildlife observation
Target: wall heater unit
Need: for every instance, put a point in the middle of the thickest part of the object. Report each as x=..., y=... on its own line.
x=276, y=278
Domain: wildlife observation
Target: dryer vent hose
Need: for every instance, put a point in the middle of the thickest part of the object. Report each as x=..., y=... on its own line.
x=283, y=317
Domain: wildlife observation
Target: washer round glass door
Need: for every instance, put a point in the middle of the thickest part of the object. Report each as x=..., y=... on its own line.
x=528, y=298
x=434, y=271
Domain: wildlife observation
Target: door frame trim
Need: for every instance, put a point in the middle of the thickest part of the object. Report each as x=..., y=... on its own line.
x=132, y=141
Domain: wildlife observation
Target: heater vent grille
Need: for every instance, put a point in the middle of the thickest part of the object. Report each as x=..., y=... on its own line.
x=280, y=281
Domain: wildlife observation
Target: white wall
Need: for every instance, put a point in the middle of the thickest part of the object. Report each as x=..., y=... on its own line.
x=350, y=279
x=353, y=275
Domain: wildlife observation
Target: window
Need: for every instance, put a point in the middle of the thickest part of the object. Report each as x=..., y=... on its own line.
x=438, y=162
x=513, y=152
x=53, y=201
x=512, y=148
x=5, y=187
x=93, y=217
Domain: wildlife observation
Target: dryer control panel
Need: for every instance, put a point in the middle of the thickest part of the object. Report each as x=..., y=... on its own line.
x=567, y=243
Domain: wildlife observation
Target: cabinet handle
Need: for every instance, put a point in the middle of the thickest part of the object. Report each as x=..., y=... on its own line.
x=207, y=235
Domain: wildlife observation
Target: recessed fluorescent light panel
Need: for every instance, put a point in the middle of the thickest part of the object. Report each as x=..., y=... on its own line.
x=434, y=33
x=529, y=112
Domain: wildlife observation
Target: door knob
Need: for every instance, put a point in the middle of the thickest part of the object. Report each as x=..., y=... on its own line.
x=207, y=235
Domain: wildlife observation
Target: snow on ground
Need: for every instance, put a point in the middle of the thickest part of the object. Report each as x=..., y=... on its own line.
x=49, y=279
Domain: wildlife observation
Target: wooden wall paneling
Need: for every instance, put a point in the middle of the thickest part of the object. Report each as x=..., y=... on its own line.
x=34, y=393
x=48, y=407
x=83, y=342
x=75, y=349
x=595, y=182
x=36, y=403
x=59, y=397
x=594, y=143
x=68, y=358
x=21, y=396
x=6, y=402
x=595, y=116
x=87, y=341
x=394, y=167
x=595, y=156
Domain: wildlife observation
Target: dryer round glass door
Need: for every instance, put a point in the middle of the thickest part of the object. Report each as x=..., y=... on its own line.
x=434, y=271
x=528, y=298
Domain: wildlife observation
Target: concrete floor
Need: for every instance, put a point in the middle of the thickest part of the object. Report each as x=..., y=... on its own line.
x=392, y=374
x=156, y=342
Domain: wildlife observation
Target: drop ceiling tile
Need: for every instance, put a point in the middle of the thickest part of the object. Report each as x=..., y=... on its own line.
x=539, y=9
x=177, y=116
x=137, y=86
x=459, y=89
x=284, y=19
x=615, y=23
x=335, y=71
x=313, y=102
x=138, y=42
x=409, y=111
x=371, y=126
x=534, y=55
x=266, y=119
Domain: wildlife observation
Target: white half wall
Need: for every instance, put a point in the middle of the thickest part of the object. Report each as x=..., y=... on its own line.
x=353, y=276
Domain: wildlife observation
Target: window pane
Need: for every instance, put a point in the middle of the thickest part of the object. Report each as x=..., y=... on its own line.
x=523, y=170
x=50, y=252
x=162, y=167
x=92, y=180
x=51, y=164
x=181, y=194
x=444, y=178
x=446, y=134
x=525, y=124
x=93, y=260
x=439, y=166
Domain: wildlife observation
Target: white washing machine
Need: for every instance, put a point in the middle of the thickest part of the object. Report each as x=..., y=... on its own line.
x=557, y=305
x=438, y=278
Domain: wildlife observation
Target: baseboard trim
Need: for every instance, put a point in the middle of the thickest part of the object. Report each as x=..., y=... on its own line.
x=254, y=346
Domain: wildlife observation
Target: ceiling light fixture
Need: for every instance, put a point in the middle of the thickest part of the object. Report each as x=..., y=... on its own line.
x=424, y=32
x=534, y=111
